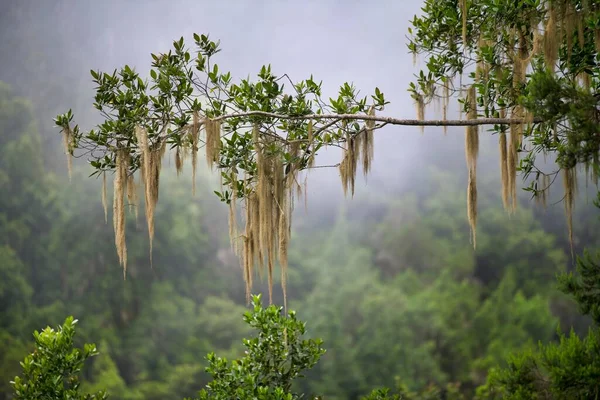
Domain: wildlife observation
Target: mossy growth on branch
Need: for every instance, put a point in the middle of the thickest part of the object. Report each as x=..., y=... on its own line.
x=533, y=77
x=260, y=136
x=535, y=62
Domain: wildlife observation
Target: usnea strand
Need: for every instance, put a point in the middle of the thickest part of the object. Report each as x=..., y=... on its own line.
x=472, y=151
x=120, y=188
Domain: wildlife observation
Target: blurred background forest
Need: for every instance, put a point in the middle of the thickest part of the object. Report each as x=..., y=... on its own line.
x=388, y=279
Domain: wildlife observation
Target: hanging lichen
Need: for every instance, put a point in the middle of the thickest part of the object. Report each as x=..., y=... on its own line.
x=120, y=183
x=256, y=250
x=472, y=151
x=482, y=68
x=213, y=140
x=594, y=168
x=311, y=144
x=233, y=226
x=262, y=189
x=512, y=172
x=178, y=161
x=344, y=175
x=504, y=171
x=283, y=234
x=446, y=101
x=367, y=140
x=586, y=81
x=294, y=152
x=463, y=11
x=570, y=24
x=471, y=131
x=580, y=31
x=132, y=196
x=538, y=43
x=250, y=241
x=420, y=105
x=520, y=62
x=104, y=198
x=268, y=214
x=283, y=246
x=446, y=90
x=68, y=145
x=543, y=190
x=194, y=135
x=516, y=136
x=569, y=183
x=265, y=205
x=472, y=205
x=151, y=160
x=349, y=163
x=551, y=40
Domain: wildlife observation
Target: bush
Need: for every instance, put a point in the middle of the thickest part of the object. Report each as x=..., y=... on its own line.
x=274, y=358
x=569, y=369
x=51, y=371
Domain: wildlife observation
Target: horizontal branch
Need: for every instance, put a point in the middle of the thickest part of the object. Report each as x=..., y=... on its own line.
x=388, y=120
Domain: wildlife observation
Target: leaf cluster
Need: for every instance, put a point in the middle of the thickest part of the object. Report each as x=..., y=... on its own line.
x=274, y=359
x=52, y=370
x=536, y=56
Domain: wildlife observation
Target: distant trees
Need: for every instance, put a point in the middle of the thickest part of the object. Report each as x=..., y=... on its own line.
x=569, y=369
x=278, y=355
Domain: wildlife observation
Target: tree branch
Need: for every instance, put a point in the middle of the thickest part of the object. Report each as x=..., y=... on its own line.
x=388, y=120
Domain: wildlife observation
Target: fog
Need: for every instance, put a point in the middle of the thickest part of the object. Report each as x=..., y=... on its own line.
x=412, y=290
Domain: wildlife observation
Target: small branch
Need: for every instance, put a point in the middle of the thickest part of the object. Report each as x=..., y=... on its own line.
x=324, y=166
x=387, y=120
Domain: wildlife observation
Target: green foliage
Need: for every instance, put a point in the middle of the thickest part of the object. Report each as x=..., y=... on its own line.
x=52, y=370
x=274, y=359
x=529, y=318
x=584, y=287
x=382, y=394
x=450, y=392
x=494, y=42
x=105, y=376
x=569, y=369
x=165, y=107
